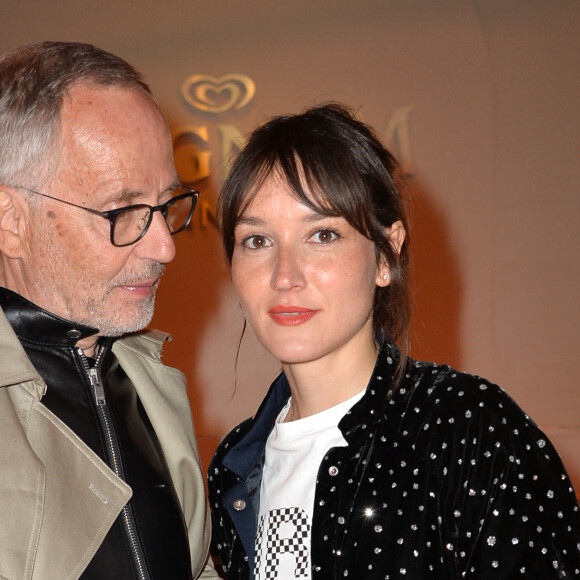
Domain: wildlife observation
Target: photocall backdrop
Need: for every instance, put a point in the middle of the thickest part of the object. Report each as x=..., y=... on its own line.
x=480, y=102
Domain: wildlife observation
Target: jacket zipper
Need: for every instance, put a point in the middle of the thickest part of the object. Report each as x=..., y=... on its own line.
x=113, y=452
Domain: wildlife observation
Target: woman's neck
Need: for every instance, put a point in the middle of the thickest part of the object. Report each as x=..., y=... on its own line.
x=320, y=384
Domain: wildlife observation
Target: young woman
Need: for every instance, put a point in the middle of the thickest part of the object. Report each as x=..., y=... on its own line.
x=361, y=462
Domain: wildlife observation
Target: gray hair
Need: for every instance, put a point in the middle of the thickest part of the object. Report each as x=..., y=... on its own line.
x=34, y=81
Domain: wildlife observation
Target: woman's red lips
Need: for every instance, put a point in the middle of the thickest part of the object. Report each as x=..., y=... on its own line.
x=291, y=315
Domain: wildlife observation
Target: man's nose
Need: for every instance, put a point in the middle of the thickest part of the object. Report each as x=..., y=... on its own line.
x=157, y=243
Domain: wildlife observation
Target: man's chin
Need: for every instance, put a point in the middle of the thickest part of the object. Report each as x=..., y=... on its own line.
x=116, y=328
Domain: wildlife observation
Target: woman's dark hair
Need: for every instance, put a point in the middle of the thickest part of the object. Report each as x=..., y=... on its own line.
x=337, y=166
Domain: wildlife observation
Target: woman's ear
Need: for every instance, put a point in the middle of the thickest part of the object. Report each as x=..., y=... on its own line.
x=11, y=224
x=396, y=234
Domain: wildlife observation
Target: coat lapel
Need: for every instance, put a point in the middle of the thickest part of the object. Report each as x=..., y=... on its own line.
x=57, y=498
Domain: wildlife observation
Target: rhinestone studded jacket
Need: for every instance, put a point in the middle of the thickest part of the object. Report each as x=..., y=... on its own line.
x=443, y=477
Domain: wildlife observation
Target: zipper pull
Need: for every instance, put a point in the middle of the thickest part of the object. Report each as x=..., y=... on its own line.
x=97, y=384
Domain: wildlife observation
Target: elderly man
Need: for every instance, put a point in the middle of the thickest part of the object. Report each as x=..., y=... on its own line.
x=99, y=471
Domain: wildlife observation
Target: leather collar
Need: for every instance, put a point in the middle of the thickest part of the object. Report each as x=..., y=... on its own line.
x=34, y=325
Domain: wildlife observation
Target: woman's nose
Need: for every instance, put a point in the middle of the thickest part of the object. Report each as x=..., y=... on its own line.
x=288, y=270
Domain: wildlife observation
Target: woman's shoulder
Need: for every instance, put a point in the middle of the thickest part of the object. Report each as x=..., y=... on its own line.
x=427, y=388
x=445, y=390
x=444, y=406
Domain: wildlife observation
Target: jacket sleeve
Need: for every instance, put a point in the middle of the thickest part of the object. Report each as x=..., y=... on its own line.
x=509, y=507
x=529, y=519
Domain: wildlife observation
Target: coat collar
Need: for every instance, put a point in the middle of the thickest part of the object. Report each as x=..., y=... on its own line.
x=16, y=368
x=248, y=451
x=21, y=320
x=248, y=447
x=381, y=388
x=37, y=326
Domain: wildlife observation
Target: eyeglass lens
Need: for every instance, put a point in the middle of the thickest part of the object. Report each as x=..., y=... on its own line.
x=131, y=224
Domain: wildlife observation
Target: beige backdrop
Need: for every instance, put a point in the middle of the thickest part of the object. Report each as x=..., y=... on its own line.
x=480, y=99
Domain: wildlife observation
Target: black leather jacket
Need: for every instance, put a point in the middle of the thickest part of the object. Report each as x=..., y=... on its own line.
x=443, y=477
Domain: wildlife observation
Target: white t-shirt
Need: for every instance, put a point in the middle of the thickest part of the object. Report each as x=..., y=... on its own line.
x=294, y=451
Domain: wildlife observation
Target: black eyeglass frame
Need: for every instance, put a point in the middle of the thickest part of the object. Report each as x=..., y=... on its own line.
x=113, y=214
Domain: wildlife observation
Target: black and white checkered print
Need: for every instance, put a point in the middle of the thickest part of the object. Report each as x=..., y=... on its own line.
x=275, y=545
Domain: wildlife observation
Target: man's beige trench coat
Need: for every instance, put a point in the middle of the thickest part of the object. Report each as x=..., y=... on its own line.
x=57, y=498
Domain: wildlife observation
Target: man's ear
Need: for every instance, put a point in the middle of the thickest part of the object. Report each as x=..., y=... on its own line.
x=397, y=235
x=12, y=224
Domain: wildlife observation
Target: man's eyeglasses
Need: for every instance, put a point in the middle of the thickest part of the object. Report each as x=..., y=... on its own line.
x=129, y=224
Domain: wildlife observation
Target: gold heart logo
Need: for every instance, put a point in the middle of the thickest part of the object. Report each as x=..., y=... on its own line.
x=213, y=95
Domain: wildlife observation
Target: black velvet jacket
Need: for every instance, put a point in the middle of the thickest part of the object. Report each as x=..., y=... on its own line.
x=444, y=477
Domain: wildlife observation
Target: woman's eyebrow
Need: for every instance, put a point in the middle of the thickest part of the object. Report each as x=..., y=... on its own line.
x=318, y=217
x=249, y=220
x=311, y=217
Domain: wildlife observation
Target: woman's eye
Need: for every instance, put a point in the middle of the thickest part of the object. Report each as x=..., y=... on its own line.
x=324, y=236
x=256, y=242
